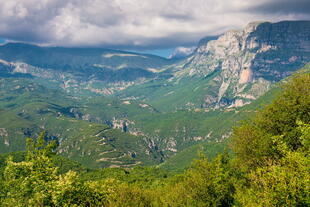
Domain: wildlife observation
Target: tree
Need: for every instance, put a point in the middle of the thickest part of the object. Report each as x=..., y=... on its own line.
x=204, y=184
x=284, y=182
x=273, y=150
x=252, y=141
x=36, y=182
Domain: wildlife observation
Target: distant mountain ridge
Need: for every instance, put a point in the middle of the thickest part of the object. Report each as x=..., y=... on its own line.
x=62, y=58
x=95, y=70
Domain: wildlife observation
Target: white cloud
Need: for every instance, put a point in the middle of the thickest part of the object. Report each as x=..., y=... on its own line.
x=180, y=52
x=134, y=23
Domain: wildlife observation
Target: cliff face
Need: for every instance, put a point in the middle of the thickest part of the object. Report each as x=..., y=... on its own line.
x=248, y=61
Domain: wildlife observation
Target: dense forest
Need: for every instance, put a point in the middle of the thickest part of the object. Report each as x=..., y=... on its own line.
x=266, y=164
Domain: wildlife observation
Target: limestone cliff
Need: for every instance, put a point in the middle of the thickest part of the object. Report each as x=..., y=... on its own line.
x=250, y=60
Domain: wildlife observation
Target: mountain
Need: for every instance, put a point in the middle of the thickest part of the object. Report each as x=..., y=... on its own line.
x=82, y=69
x=250, y=60
x=231, y=71
x=79, y=59
x=110, y=108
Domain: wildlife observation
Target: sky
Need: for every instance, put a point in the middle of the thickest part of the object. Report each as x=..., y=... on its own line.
x=154, y=26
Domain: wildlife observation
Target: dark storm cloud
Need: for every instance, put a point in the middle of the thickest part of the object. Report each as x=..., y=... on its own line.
x=297, y=7
x=135, y=23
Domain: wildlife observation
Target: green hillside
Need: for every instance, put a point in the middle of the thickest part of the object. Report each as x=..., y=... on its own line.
x=84, y=126
x=268, y=166
x=28, y=108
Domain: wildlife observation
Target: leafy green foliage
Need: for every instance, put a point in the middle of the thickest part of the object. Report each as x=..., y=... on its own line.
x=273, y=150
x=35, y=181
x=204, y=184
x=253, y=142
x=283, y=182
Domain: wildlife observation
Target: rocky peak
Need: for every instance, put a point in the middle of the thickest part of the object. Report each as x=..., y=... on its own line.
x=249, y=60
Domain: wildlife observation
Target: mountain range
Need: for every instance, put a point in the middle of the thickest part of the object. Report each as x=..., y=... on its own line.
x=111, y=108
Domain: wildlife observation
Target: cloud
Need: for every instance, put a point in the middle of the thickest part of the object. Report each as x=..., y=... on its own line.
x=284, y=7
x=180, y=52
x=135, y=23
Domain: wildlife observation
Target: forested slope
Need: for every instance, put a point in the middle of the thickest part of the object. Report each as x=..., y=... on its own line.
x=269, y=167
